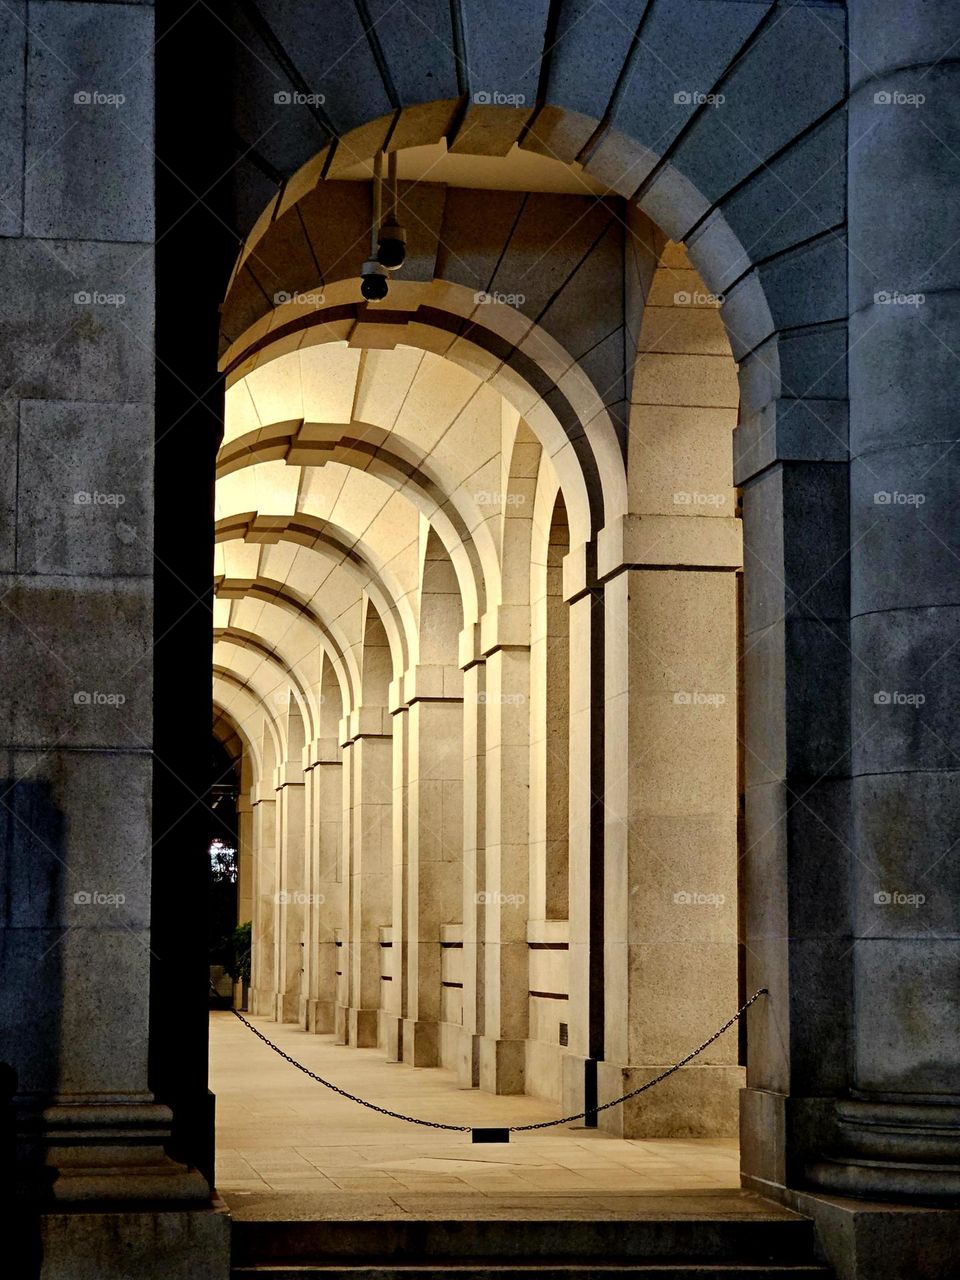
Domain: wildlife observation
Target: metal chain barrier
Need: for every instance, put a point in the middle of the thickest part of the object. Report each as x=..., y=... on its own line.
x=372, y=1106
x=514, y=1128
x=624, y=1097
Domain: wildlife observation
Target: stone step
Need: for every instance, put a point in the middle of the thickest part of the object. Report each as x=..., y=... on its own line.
x=535, y=1271
x=384, y=1246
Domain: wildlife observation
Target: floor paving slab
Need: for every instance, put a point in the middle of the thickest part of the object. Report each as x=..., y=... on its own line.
x=289, y=1148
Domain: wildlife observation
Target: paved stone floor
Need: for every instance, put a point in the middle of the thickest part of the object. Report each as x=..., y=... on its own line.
x=283, y=1140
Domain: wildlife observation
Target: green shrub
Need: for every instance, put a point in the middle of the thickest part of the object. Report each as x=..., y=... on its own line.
x=238, y=952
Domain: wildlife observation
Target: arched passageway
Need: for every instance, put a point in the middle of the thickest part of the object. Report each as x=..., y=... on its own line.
x=761, y=165
x=493, y=517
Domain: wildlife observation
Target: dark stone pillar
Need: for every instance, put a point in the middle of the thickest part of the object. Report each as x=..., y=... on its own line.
x=899, y=1123
x=194, y=254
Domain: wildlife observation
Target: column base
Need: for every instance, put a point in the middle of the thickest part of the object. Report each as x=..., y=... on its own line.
x=263, y=1004
x=321, y=1017
x=361, y=1027
x=695, y=1102
x=885, y=1179
x=105, y=1153
x=502, y=1065
x=893, y=1149
x=421, y=1043
x=468, y=1060
x=286, y=1007
x=391, y=1034
x=153, y=1245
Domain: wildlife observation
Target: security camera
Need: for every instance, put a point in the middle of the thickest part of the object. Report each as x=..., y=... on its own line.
x=373, y=280
x=392, y=245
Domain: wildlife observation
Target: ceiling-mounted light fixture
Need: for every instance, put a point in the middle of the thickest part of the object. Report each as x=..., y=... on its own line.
x=373, y=275
x=373, y=280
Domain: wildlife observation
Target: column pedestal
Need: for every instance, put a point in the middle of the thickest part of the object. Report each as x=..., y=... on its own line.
x=468, y=1060
x=892, y=1149
x=421, y=1043
x=392, y=1036
x=113, y=1152
x=320, y=1016
x=362, y=1026
x=695, y=1102
x=502, y=1065
x=341, y=1019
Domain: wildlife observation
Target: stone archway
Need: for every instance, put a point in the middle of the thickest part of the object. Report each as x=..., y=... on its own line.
x=765, y=194
x=755, y=306
x=321, y=381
